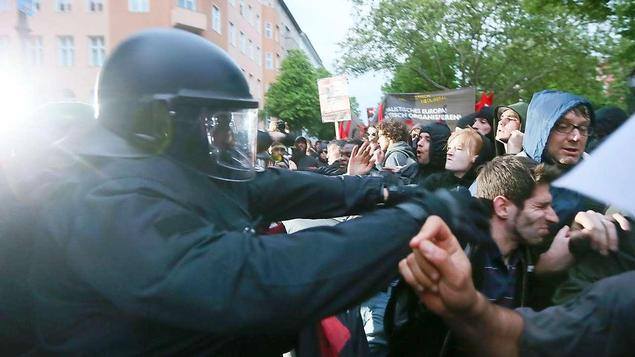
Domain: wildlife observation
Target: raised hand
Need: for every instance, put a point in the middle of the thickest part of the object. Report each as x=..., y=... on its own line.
x=361, y=160
x=439, y=270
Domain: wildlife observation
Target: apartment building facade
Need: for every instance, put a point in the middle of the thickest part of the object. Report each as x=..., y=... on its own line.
x=60, y=45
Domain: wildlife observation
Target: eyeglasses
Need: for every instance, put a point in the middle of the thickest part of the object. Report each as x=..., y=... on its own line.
x=567, y=128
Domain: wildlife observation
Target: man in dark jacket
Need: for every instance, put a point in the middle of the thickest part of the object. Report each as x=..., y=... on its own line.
x=431, y=152
x=146, y=242
x=519, y=202
x=303, y=161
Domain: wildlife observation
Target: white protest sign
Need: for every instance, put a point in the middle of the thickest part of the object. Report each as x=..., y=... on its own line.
x=334, y=102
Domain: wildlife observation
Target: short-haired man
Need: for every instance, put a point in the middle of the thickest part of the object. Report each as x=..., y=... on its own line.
x=336, y=160
x=600, y=322
x=521, y=213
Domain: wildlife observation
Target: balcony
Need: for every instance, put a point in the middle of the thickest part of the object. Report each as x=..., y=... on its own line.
x=188, y=19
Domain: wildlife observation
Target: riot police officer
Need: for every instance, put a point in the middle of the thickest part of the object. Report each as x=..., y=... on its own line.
x=147, y=243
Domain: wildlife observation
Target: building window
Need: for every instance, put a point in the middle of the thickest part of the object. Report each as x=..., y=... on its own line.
x=37, y=5
x=188, y=4
x=34, y=51
x=95, y=5
x=258, y=56
x=276, y=34
x=251, y=50
x=269, y=60
x=241, y=7
x=139, y=5
x=243, y=42
x=216, y=20
x=97, y=50
x=66, y=51
x=258, y=23
x=268, y=30
x=232, y=34
x=277, y=63
x=63, y=5
x=232, y=2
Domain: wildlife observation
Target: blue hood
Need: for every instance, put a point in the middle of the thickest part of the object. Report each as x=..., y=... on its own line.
x=545, y=109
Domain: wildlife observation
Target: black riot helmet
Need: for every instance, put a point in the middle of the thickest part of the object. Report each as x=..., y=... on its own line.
x=173, y=93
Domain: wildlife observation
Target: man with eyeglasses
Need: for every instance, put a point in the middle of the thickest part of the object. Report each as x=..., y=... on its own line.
x=556, y=133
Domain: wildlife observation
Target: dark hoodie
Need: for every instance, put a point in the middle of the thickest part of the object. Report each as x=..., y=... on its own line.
x=488, y=151
x=439, y=134
x=607, y=120
x=521, y=109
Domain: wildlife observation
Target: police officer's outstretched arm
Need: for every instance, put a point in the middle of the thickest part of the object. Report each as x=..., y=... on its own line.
x=152, y=256
x=282, y=194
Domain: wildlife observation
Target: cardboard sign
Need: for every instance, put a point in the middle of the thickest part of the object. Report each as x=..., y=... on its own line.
x=334, y=102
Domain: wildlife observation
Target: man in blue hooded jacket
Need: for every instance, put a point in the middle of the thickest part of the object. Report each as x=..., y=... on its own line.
x=557, y=130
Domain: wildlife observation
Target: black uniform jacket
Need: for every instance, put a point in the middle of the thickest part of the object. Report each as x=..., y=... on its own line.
x=138, y=254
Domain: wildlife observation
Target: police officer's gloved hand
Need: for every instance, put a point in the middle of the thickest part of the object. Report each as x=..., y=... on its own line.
x=465, y=215
x=400, y=193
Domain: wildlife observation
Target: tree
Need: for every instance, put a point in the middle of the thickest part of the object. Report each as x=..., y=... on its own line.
x=618, y=17
x=294, y=96
x=487, y=44
x=354, y=107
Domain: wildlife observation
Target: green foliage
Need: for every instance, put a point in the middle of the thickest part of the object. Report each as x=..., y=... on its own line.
x=354, y=107
x=513, y=48
x=294, y=96
x=617, y=18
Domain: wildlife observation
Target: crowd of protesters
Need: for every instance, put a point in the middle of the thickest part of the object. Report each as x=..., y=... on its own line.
x=547, y=244
x=149, y=230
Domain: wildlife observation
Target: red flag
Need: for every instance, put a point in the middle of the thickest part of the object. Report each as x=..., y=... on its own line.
x=486, y=101
x=344, y=129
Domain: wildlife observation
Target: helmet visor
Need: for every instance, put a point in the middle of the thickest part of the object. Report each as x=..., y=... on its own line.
x=231, y=136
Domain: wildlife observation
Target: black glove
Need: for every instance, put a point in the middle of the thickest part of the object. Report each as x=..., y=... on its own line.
x=401, y=193
x=465, y=215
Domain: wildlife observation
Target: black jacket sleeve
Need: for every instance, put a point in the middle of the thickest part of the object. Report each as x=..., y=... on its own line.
x=171, y=265
x=281, y=194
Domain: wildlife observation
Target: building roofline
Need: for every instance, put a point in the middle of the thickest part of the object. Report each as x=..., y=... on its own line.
x=303, y=35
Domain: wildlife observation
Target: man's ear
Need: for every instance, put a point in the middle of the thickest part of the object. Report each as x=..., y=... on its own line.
x=502, y=207
x=474, y=158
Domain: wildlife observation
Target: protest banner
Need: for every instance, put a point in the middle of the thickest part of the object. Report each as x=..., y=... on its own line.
x=424, y=108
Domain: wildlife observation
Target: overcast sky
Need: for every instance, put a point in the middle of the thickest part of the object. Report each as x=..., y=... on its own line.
x=326, y=23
